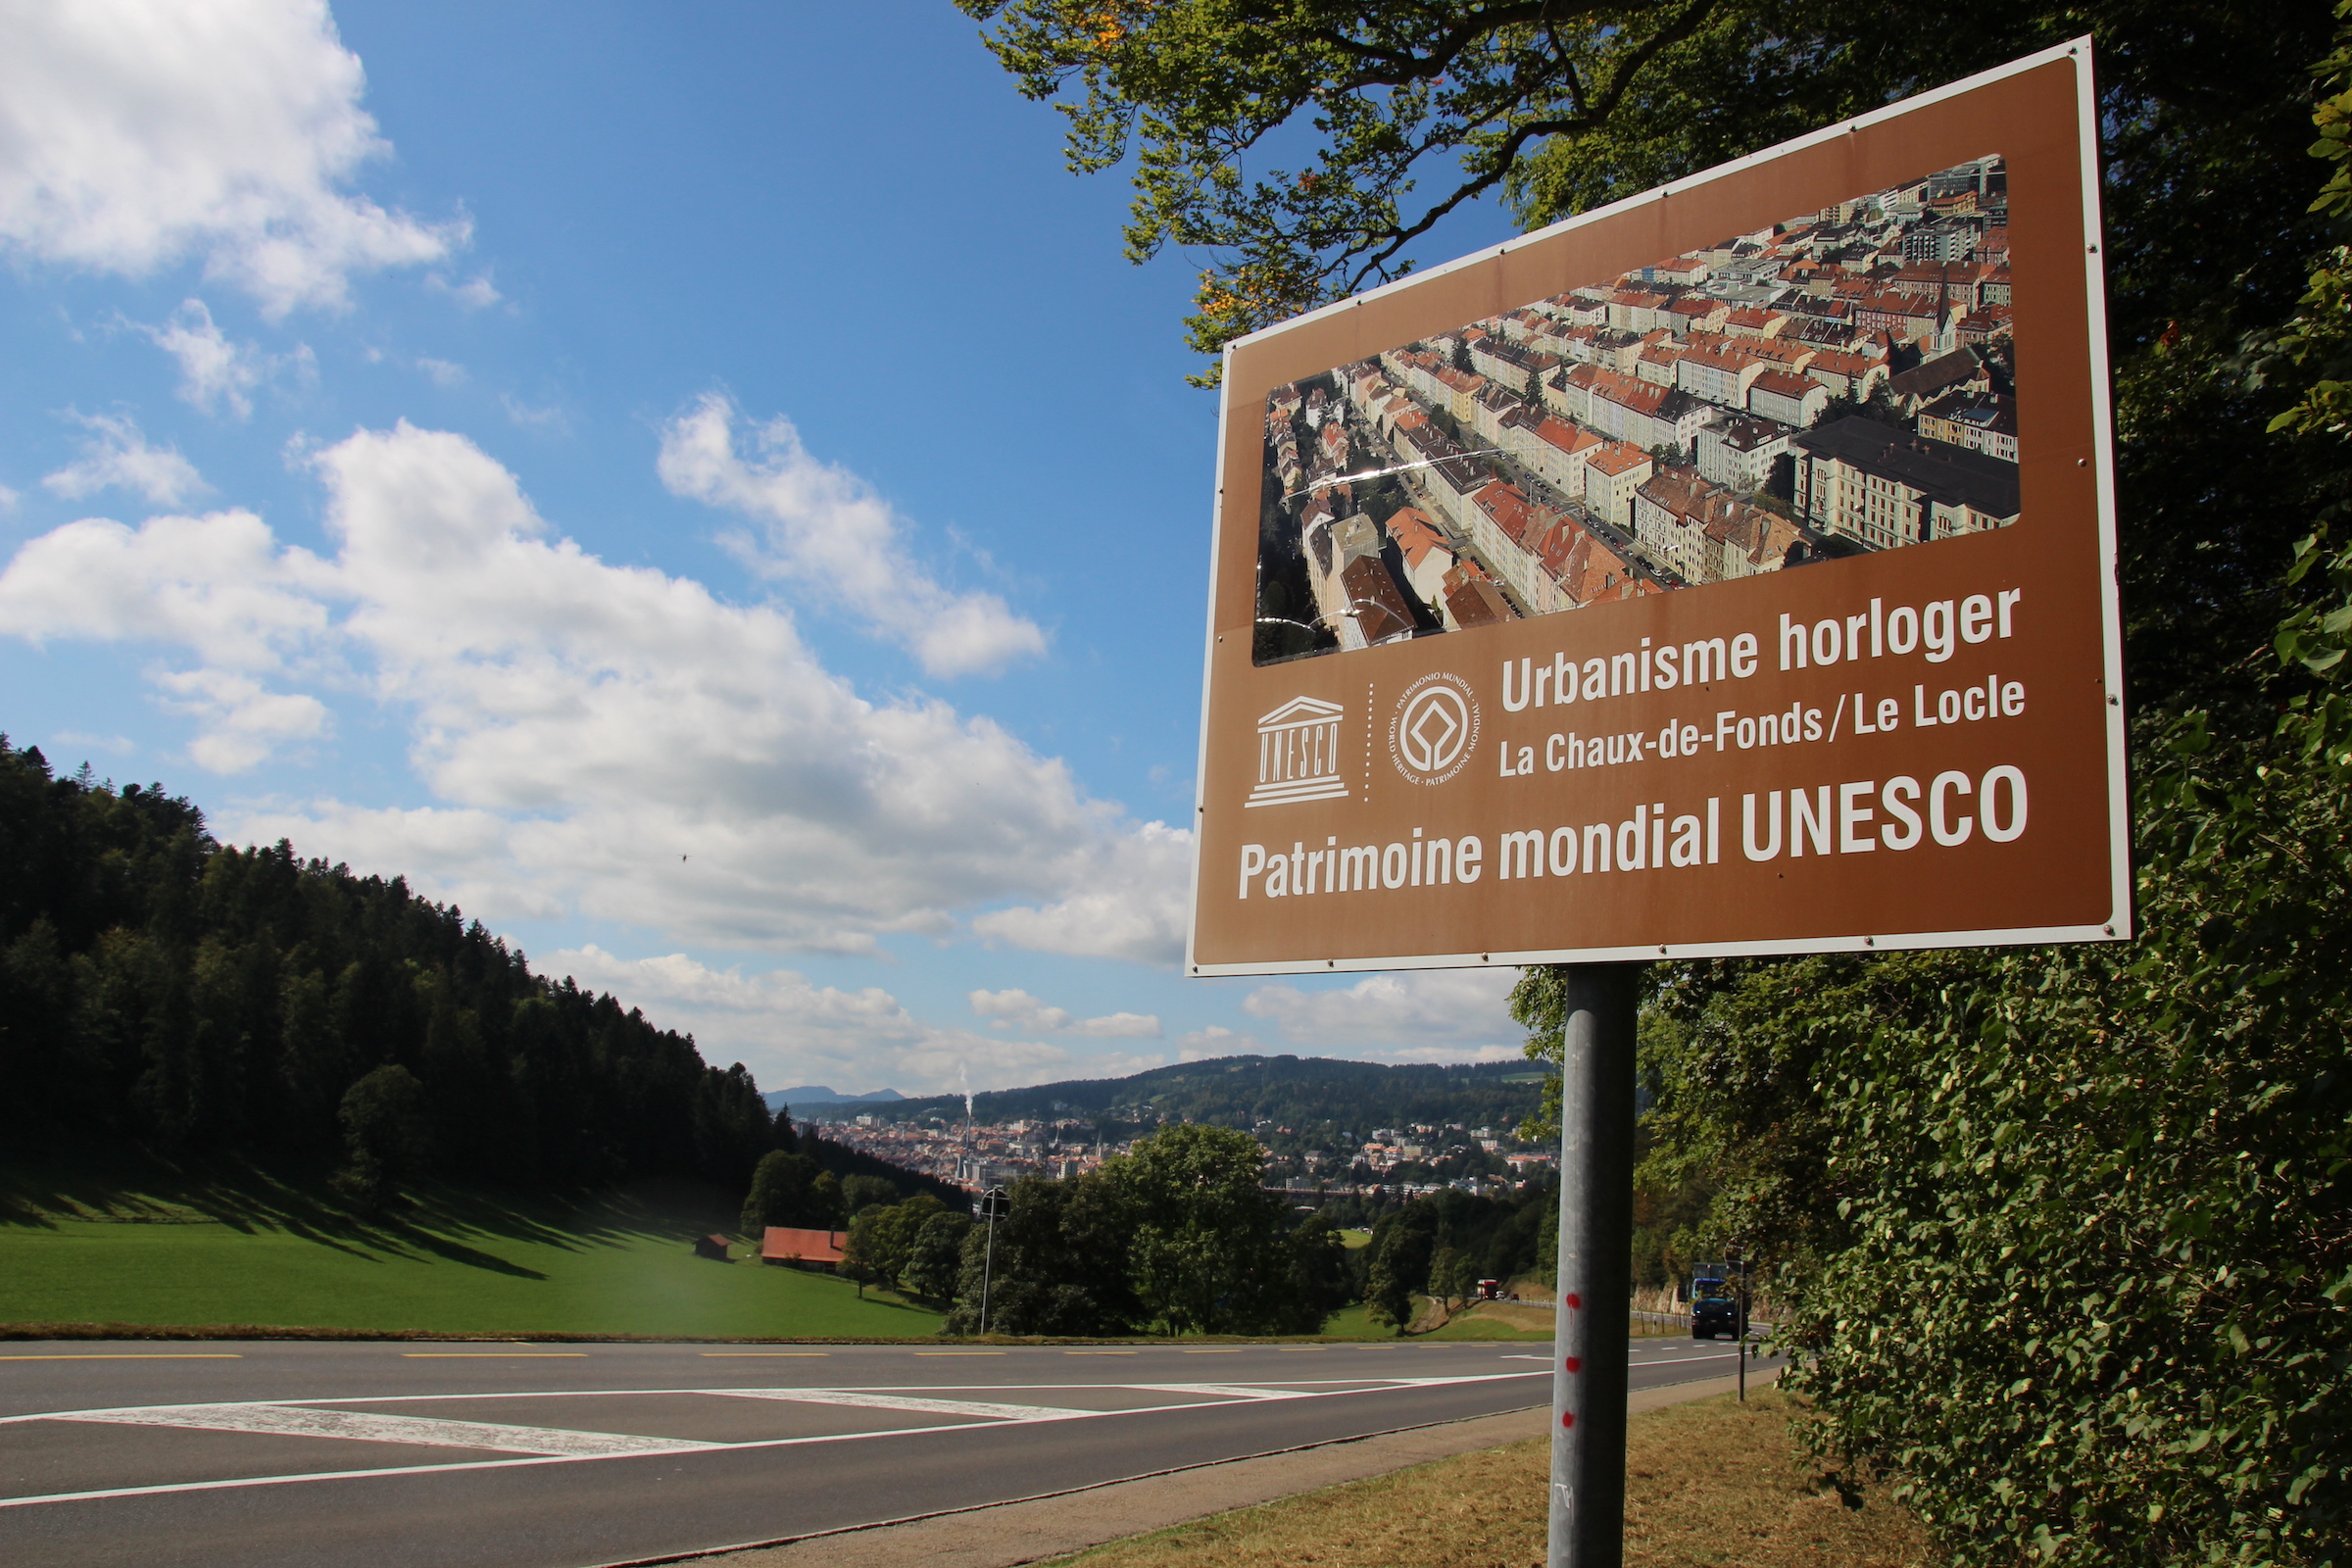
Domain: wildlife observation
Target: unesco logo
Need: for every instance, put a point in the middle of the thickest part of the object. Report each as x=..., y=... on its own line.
x=1435, y=728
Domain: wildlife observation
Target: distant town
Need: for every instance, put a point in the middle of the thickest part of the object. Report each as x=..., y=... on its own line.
x=1840, y=383
x=1395, y=1162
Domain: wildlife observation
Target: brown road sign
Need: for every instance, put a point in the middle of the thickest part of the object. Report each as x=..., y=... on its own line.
x=1729, y=571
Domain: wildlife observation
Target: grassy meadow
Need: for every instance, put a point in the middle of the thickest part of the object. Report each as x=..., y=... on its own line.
x=1707, y=1484
x=121, y=1240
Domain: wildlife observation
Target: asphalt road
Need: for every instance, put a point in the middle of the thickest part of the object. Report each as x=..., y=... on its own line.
x=400, y=1455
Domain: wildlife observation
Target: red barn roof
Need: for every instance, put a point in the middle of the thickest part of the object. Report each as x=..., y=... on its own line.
x=782, y=1241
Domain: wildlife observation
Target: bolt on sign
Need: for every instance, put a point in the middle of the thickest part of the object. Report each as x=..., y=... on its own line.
x=1728, y=571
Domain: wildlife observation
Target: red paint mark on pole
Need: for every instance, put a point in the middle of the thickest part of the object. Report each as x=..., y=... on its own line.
x=1568, y=1419
x=1574, y=1363
x=1573, y=1300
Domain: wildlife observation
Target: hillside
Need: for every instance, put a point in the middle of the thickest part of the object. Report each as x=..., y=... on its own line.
x=161, y=988
x=1304, y=1092
x=819, y=1097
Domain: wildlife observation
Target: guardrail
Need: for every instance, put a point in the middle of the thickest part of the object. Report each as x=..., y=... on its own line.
x=1680, y=1319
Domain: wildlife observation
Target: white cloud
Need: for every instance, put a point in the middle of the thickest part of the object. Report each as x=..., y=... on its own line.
x=8, y=499
x=443, y=373
x=117, y=456
x=215, y=374
x=825, y=526
x=1019, y=1011
x=1429, y=1012
x=83, y=741
x=243, y=722
x=1208, y=1045
x=1127, y=900
x=1446, y=1056
x=476, y=293
x=136, y=132
x=219, y=585
x=600, y=739
x=790, y=1030
x=550, y=420
x=454, y=856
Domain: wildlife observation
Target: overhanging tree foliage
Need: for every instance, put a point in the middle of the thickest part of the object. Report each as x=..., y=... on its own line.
x=1290, y=138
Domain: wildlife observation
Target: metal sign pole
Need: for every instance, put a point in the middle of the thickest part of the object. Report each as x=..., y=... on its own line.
x=1595, y=1267
x=1743, y=1336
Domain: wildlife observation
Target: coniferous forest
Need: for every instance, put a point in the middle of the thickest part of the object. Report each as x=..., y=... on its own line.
x=160, y=988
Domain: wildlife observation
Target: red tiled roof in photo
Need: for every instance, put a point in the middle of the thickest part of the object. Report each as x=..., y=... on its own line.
x=1616, y=458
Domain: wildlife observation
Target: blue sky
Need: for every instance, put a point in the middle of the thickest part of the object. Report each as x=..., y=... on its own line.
x=698, y=487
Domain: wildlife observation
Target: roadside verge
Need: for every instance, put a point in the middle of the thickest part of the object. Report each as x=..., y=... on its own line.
x=1057, y=1523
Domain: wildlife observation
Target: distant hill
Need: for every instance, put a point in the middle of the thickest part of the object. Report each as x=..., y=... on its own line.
x=819, y=1094
x=1304, y=1092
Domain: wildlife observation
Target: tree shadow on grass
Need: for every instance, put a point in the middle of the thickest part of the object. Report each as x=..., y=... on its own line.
x=125, y=1184
x=401, y=1237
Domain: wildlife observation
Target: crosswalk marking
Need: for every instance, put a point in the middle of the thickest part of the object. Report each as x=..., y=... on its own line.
x=532, y=1447
x=966, y=1408
x=294, y=1420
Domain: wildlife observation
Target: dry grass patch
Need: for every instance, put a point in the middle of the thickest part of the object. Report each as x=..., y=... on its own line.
x=1708, y=1485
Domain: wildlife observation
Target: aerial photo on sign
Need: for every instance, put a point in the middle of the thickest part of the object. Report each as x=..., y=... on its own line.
x=1840, y=381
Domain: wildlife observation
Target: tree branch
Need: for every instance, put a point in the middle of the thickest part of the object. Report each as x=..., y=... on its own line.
x=1507, y=153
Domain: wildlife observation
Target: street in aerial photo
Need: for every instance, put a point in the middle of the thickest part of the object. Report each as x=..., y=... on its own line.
x=1131, y=783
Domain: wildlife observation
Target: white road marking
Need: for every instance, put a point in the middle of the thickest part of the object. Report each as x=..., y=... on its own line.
x=142, y=1355
x=1228, y=1390
x=1316, y=1390
x=294, y=1421
x=967, y=1408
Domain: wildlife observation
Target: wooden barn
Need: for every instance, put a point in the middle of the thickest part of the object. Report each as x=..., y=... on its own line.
x=803, y=1249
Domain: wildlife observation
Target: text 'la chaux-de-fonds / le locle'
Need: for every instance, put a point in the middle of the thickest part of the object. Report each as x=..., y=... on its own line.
x=1843, y=817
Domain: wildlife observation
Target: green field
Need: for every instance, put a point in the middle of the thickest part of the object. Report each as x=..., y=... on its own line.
x=1481, y=1325
x=1487, y=1320
x=1353, y=1323
x=136, y=1243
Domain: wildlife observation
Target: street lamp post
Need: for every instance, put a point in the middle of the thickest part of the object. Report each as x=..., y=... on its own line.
x=993, y=1203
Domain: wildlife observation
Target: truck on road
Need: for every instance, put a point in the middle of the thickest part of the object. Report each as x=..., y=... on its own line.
x=1714, y=1302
